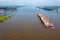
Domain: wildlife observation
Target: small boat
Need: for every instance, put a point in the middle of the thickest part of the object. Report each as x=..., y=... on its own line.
x=46, y=21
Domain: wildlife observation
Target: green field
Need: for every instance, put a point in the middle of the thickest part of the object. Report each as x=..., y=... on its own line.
x=3, y=18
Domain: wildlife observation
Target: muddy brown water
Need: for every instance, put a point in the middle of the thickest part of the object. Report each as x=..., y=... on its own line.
x=26, y=25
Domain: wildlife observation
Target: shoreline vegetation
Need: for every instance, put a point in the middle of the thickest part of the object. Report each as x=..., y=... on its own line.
x=50, y=8
x=10, y=8
x=3, y=18
x=4, y=12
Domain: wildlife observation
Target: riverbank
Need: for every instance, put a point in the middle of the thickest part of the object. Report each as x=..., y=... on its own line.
x=2, y=18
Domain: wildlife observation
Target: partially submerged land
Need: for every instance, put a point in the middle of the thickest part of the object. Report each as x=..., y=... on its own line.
x=3, y=18
x=9, y=7
x=3, y=10
x=50, y=8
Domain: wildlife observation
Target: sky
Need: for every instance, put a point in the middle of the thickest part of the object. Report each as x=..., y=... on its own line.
x=31, y=2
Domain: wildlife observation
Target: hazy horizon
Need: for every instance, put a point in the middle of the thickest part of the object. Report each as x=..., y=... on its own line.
x=31, y=2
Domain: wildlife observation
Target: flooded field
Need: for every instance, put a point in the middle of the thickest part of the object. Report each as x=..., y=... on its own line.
x=26, y=25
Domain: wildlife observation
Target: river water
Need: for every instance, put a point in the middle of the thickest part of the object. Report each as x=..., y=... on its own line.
x=26, y=25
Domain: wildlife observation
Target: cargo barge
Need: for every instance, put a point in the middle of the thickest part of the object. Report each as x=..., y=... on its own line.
x=48, y=23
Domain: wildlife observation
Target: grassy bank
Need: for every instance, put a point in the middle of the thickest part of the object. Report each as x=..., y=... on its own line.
x=2, y=18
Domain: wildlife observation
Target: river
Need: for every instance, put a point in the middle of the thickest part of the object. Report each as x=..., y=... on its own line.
x=26, y=25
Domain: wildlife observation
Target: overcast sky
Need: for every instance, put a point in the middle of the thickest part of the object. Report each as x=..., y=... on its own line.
x=31, y=2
